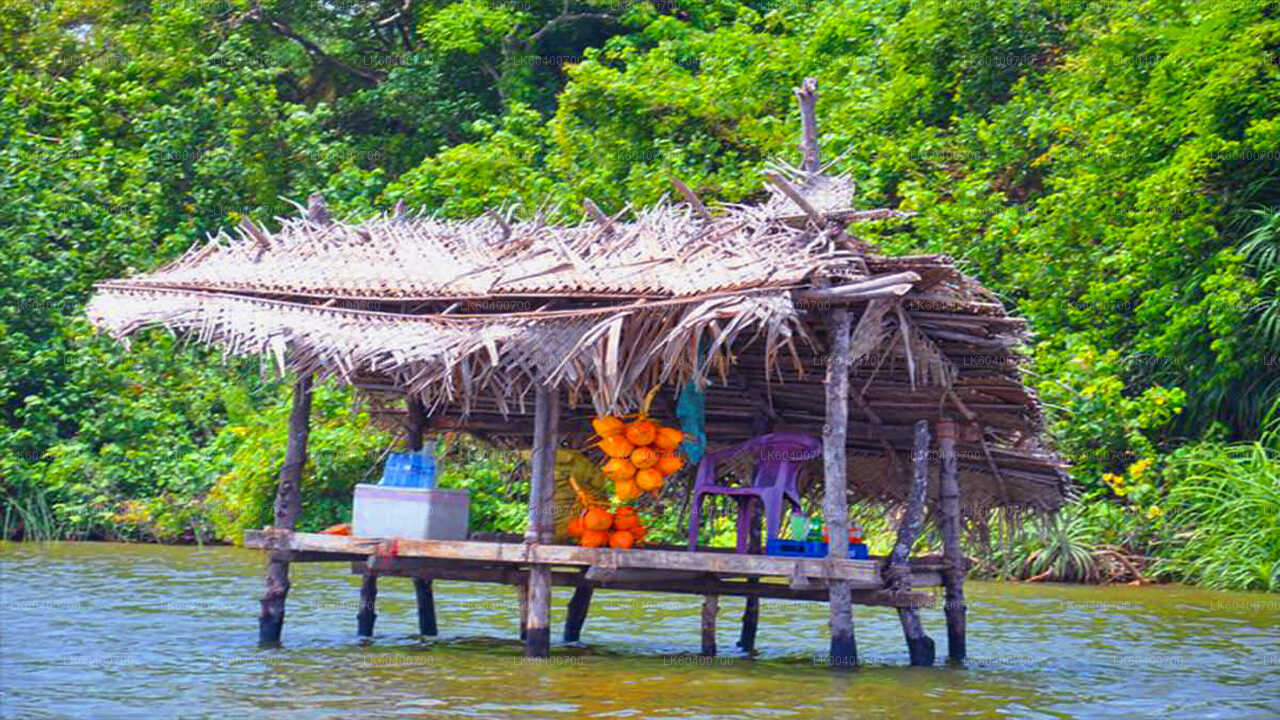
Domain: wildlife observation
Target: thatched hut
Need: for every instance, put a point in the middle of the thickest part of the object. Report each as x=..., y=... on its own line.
x=522, y=330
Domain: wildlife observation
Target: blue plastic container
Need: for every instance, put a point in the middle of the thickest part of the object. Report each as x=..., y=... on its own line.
x=795, y=548
x=417, y=470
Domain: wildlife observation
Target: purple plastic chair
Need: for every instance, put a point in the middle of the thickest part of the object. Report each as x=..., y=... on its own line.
x=778, y=458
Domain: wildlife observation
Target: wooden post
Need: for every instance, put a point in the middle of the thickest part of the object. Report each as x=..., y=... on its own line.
x=920, y=646
x=807, y=95
x=522, y=598
x=426, y=606
x=421, y=586
x=952, y=550
x=710, y=607
x=835, y=501
x=579, y=604
x=368, y=598
x=287, y=508
x=751, y=609
x=541, y=514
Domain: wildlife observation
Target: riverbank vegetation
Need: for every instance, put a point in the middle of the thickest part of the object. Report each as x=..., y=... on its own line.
x=1112, y=167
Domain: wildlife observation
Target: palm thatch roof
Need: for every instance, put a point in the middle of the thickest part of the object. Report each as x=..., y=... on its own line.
x=470, y=315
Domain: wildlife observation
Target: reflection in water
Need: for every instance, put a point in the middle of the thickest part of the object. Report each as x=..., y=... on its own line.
x=102, y=631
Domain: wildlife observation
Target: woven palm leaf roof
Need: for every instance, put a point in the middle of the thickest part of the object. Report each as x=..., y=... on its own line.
x=470, y=315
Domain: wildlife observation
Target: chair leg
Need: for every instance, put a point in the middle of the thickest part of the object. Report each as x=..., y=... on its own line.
x=744, y=523
x=773, y=516
x=695, y=519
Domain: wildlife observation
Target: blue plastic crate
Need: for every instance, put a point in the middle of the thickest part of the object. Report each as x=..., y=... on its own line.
x=795, y=548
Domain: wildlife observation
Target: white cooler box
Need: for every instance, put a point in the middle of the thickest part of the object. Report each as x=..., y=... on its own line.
x=413, y=513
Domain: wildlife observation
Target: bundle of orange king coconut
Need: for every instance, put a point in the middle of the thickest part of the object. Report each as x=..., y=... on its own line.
x=594, y=526
x=642, y=453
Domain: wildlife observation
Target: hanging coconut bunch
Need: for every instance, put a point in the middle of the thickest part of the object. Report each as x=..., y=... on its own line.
x=641, y=454
x=594, y=526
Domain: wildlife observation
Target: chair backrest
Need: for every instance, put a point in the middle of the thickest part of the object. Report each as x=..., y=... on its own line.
x=780, y=455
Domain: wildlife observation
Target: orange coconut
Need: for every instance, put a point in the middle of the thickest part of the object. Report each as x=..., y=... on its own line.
x=621, y=540
x=575, y=527
x=608, y=426
x=616, y=446
x=670, y=464
x=625, y=518
x=644, y=457
x=597, y=519
x=668, y=438
x=649, y=479
x=638, y=532
x=595, y=538
x=642, y=432
x=619, y=469
x=626, y=490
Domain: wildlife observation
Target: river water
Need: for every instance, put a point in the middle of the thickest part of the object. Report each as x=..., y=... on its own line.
x=96, y=630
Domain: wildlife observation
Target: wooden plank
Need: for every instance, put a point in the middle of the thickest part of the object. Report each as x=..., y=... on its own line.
x=835, y=499
x=288, y=506
x=861, y=573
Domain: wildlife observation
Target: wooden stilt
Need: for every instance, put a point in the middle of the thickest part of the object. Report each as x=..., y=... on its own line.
x=522, y=598
x=835, y=501
x=541, y=497
x=426, y=606
x=751, y=609
x=952, y=551
x=287, y=507
x=710, y=607
x=920, y=646
x=368, y=599
x=579, y=604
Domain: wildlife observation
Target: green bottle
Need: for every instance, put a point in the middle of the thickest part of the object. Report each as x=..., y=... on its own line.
x=815, y=530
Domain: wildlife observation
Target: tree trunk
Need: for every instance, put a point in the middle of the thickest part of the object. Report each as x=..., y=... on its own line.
x=920, y=646
x=541, y=514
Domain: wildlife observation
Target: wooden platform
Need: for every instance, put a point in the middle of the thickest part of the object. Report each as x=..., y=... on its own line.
x=665, y=570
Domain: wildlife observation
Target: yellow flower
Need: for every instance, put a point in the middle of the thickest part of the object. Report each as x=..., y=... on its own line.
x=1159, y=400
x=1136, y=469
x=1154, y=512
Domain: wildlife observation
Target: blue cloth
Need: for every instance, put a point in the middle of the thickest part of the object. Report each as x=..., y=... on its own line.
x=691, y=409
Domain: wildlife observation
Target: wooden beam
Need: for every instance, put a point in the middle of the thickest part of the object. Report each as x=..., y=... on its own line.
x=835, y=499
x=751, y=608
x=862, y=574
x=417, y=421
x=541, y=520
x=288, y=506
x=920, y=646
x=692, y=199
x=952, y=550
x=368, y=601
x=706, y=585
x=796, y=196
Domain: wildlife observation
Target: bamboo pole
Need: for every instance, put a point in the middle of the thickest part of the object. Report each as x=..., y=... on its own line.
x=835, y=502
x=288, y=506
x=541, y=494
x=949, y=524
x=920, y=646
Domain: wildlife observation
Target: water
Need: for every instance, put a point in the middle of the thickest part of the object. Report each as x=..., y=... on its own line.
x=93, y=630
